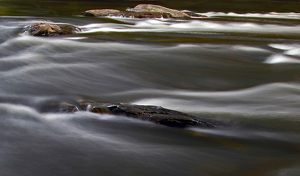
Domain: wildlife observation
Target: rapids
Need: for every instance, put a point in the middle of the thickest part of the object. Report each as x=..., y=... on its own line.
x=241, y=69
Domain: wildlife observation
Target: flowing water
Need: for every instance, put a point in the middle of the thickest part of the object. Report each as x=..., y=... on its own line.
x=240, y=69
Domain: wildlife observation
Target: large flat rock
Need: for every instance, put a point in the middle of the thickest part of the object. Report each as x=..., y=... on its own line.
x=139, y=11
x=159, y=9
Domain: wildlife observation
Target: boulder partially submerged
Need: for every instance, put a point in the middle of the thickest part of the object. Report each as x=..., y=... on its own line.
x=140, y=11
x=156, y=114
x=126, y=14
x=150, y=8
x=51, y=29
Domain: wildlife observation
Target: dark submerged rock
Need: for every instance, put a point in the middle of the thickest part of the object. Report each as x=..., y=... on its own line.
x=51, y=29
x=155, y=114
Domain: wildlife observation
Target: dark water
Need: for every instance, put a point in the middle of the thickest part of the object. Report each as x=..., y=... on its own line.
x=239, y=68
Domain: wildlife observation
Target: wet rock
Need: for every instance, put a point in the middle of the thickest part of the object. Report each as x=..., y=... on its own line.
x=144, y=15
x=139, y=11
x=100, y=12
x=51, y=29
x=155, y=114
x=127, y=14
x=159, y=9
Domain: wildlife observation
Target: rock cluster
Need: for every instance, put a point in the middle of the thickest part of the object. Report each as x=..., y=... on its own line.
x=139, y=11
x=142, y=11
x=155, y=114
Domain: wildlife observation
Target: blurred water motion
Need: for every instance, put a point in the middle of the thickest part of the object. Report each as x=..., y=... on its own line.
x=238, y=67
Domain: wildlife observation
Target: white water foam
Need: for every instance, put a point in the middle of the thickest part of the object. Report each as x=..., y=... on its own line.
x=289, y=49
x=24, y=40
x=42, y=68
x=249, y=49
x=290, y=15
x=14, y=110
x=75, y=38
x=156, y=25
x=284, y=46
x=27, y=57
x=281, y=59
x=272, y=100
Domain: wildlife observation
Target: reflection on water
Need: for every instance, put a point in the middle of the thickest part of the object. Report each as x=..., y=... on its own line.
x=88, y=144
x=239, y=68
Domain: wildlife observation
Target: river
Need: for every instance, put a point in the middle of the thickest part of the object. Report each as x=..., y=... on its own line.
x=240, y=68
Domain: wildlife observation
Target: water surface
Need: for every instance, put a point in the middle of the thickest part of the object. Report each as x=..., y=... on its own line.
x=241, y=69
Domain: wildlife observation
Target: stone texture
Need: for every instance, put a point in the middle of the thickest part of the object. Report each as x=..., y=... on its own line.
x=139, y=11
x=49, y=29
x=144, y=15
x=155, y=114
x=159, y=9
x=100, y=12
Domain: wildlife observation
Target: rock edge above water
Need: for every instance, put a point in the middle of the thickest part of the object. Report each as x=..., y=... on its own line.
x=142, y=11
x=154, y=114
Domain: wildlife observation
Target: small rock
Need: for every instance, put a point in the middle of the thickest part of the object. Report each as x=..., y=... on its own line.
x=51, y=29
